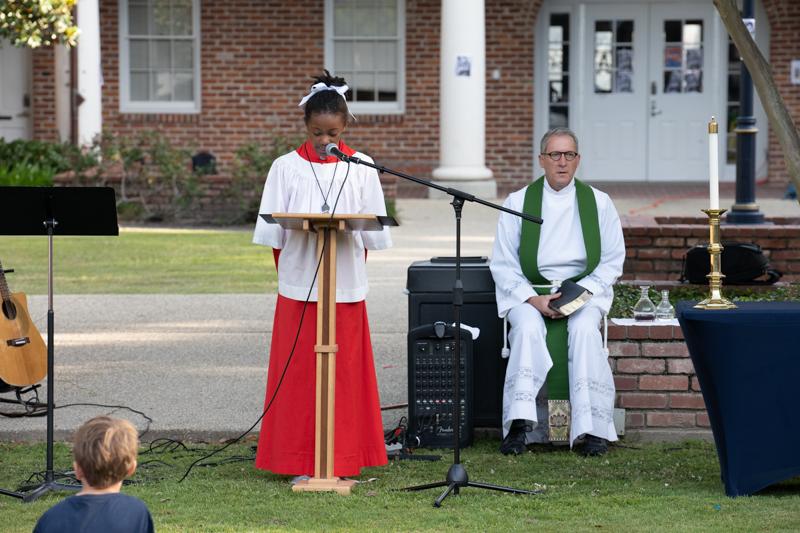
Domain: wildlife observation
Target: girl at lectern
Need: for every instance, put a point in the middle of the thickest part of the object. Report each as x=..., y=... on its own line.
x=308, y=180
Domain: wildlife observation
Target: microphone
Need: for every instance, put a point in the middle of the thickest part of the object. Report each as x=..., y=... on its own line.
x=333, y=149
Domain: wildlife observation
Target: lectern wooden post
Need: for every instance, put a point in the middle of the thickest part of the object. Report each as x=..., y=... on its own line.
x=327, y=228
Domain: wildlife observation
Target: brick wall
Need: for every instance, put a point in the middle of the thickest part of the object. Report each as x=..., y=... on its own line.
x=509, y=100
x=256, y=61
x=43, y=95
x=655, y=381
x=656, y=246
x=784, y=20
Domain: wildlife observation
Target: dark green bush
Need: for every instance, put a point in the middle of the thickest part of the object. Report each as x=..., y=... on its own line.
x=39, y=158
x=156, y=179
x=26, y=175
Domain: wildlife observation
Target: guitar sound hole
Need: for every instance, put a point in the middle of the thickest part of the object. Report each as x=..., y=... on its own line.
x=9, y=309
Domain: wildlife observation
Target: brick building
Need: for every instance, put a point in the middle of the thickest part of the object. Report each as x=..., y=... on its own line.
x=636, y=79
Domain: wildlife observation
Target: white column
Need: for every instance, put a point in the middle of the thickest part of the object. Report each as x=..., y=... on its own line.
x=462, y=100
x=62, y=92
x=90, y=79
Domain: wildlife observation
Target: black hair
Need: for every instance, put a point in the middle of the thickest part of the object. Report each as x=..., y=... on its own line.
x=327, y=101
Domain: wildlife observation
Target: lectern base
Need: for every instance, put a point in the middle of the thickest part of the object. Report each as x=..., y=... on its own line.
x=321, y=484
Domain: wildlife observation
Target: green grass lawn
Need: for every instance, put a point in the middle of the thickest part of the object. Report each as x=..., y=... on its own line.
x=142, y=261
x=651, y=487
x=661, y=487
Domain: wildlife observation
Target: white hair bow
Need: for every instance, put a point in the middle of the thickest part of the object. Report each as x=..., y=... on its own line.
x=319, y=87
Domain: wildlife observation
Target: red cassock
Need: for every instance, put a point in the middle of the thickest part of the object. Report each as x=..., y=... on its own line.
x=286, y=441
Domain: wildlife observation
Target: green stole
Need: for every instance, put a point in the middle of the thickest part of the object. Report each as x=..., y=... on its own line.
x=558, y=377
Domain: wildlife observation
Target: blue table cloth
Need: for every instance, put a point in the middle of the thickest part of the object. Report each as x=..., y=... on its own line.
x=747, y=361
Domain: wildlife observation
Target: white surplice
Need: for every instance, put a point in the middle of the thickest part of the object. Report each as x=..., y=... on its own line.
x=291, y=187
x=561, y=255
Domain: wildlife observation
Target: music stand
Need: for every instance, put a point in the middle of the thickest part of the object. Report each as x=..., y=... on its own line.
x=55, y=211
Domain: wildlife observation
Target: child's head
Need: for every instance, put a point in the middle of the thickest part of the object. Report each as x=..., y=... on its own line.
x=105, y=451
x=326, y=113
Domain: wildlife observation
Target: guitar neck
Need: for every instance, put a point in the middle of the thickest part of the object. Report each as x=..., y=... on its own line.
x=4, y=291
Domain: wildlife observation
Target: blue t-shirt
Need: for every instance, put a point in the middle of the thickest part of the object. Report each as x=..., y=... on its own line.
x=97, y=513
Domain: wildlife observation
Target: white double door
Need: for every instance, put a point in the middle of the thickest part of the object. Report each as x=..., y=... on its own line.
x=650, y=82
x=15, y=83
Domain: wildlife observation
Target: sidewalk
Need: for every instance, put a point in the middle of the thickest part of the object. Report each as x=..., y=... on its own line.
x=196, y=364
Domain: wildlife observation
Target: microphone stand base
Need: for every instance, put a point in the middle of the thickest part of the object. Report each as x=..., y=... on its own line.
x=456, y=478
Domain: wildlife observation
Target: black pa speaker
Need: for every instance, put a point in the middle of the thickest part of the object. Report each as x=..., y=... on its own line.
x=430, y=385
x=430, y=299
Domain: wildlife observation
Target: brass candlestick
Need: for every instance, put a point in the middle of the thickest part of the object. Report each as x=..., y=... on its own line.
x=715, y=300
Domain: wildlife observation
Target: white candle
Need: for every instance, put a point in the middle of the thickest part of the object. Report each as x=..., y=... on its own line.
x=713, y=165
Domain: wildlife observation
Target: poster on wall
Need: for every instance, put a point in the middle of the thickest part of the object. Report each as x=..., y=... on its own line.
x=795, y=72
x=463, y=66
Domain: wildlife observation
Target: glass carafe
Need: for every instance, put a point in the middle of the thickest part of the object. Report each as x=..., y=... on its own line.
x=645, y=309
x=664, y=310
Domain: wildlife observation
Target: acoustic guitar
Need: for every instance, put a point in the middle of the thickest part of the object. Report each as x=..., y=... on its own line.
x=23, y=353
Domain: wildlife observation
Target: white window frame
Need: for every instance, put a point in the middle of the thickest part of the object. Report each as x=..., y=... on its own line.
x=153, y=107
x=374, y=108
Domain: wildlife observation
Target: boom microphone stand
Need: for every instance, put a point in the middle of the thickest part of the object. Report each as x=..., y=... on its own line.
x=457, y=475
x=38, y=211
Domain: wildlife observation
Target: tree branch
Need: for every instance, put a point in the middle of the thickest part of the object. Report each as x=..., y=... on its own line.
x=778, y=114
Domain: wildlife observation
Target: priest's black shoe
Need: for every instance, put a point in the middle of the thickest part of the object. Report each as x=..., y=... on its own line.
x=594, y=446
x=514, y=442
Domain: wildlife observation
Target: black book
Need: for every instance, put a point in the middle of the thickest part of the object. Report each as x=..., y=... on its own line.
x=573, y=297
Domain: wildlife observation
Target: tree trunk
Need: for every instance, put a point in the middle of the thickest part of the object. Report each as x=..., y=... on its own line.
x=779, y=118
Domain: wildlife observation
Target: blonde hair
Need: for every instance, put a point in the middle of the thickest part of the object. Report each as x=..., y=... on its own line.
x=105, y=449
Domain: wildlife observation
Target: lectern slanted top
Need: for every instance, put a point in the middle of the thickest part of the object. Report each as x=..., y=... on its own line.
x=326, y=227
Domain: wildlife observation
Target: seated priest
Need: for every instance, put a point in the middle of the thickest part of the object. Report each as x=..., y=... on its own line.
x=580, y=240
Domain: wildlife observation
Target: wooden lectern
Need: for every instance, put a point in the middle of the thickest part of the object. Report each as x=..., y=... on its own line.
x=326, y=227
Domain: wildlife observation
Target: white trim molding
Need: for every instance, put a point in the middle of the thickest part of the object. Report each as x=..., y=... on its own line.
x=374, y=107
x=126, y=105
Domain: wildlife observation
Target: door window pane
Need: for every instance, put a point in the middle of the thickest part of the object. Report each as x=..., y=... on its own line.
x=559, y=117
x=683, y=56
x=558, y=70
x=559, y=91
x=613, y=56
x=625, y=31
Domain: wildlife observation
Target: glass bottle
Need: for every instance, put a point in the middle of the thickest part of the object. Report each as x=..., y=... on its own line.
x=664, y=310
x=645, y=309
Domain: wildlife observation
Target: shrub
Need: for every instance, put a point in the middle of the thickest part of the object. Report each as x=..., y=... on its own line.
x=26, y=175
x=34, y=163
x=156, y=179
x=251, y=163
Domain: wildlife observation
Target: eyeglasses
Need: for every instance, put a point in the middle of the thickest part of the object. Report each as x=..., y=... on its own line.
x=555, y=156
